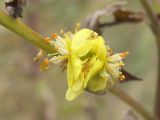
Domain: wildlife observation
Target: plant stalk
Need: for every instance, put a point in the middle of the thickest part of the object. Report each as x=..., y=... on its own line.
x=155, y=27
x=24, y=31
x=131, y=102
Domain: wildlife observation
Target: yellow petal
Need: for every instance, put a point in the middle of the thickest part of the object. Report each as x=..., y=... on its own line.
x=68, y=42
x=78, y=84
x=82, y=49
x=87, y=51
x=82, y=43
x=81, y=35
x=70, y=94
x=99, y=49
x=97, y=65
x=96, y=84
x=76, y=66
x=70, y=77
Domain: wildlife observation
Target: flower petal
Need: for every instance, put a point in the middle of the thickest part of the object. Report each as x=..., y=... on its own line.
x=76, y=66
x=82, y=43
x=70, y=77
x=78, y=84
x=96, y=84
x=70, y=94
x=82, y=49
x=96, y=67
x=99, y=49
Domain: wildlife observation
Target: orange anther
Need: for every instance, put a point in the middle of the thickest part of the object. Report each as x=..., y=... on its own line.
x=44, y=65
x=46, y=61
x=47, y=40
x=121, y=77
x=123, y=55
x=54, y=36
x=109, y=50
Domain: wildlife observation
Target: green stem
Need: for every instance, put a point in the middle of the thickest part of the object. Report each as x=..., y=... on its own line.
x=24, y=31
x=155, y=27
x=133, y=103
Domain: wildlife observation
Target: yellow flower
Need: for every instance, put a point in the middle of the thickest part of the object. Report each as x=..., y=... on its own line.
x=90, y=63
x=87, y=58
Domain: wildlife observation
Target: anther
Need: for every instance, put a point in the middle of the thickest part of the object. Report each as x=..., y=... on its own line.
x=94, y=35
x=44, y=65
x=77, y=27
x=54, y=36
x=47, y=40
x=40, y=54
x=110, y=51
x=121, y=77
x=123, y=55
x=46, y=61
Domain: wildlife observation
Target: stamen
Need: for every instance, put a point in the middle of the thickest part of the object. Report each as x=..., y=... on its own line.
x=123, y=55
x=47, y=40
x=46, y=61
x=44, y=65
x=114, y=58
x=85, y=68
x=40, y=54
x=121, y=64
x=94, y=35
x=117, y=65
x=121, y=77
x=112, y=71
x=54, y=36
x=53, y=54
x=110, y=51
x=62, y=41
x=54, y=44
x=57, y=59
x=77, y=28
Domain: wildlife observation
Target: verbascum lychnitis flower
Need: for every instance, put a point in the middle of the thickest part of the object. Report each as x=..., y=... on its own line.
x=90, y=63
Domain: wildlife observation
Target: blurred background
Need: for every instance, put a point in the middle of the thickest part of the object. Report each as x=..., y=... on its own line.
x=28, y=94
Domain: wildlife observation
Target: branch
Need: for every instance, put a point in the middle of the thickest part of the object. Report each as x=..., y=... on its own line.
x=129, y=115
x=154, y=24
x=131, y=102
x=110, y=24
x=93, y=20
x=24, y=31
x=155, y=27
x=120, y=15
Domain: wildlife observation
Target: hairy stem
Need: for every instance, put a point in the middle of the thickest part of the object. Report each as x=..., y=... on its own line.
x=24, y=31
x=133, y=103
x=155, y=27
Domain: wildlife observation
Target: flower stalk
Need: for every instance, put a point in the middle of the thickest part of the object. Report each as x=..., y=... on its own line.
x=155, y=27
x=131, y=102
